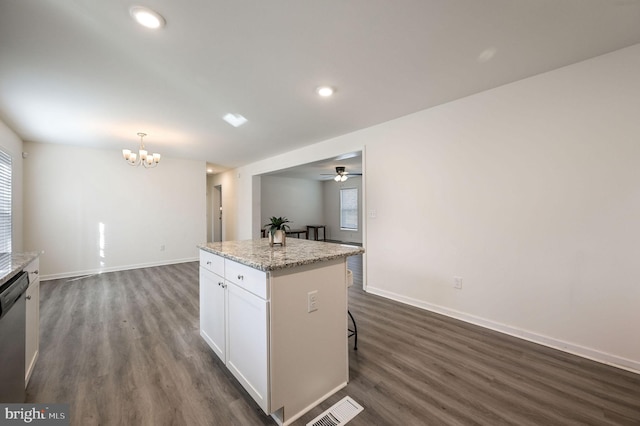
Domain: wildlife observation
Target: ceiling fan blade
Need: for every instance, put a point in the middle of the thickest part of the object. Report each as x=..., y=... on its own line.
x=341, y=171
x=345, y=173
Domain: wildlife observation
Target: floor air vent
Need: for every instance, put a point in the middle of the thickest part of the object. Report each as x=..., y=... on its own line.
x=339, y=414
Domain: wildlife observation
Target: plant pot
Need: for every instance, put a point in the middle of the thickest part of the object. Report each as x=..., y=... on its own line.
x=278, y=237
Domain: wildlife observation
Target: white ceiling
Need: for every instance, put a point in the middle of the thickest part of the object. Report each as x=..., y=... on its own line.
x=82, y=72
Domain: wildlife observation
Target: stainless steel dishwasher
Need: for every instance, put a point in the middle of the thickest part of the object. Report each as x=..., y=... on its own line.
x=12, y=338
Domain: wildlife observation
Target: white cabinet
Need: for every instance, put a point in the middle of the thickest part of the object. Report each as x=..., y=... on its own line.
x=234, y=321
x=32, y=319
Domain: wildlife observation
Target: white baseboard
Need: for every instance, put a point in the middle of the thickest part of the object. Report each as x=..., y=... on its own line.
x=592, y=354
x=114, y=269
x=277, y=416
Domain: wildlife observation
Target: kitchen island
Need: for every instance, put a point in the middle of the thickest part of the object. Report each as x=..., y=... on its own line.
x=277, y=317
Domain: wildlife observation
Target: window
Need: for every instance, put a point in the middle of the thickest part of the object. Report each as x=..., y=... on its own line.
x=349, y=209
x=5, y=202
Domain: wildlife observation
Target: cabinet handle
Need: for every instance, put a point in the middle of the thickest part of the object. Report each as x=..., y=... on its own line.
x=221, y=284
x=208, y=262
x=224, y=286
x=241, y=277
x=28, y=297
x=36, y=272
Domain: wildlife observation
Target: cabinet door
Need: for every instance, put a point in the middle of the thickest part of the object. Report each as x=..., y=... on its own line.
x=247, y=351
x=212, y=311
x=32, y=320
x=32, y=327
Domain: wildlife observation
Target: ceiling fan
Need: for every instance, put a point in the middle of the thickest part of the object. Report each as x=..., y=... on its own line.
x=342, y=174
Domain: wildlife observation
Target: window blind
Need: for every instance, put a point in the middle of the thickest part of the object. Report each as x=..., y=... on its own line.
x=5, y=202
x=349, y=209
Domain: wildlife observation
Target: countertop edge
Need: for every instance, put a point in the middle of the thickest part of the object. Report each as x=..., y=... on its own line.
x=266, y=268
x=22, y=260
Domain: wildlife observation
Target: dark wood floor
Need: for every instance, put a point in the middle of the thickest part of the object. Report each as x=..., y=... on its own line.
x=123, y=348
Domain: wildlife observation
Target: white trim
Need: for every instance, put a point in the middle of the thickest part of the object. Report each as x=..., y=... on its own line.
x=584, y=352
x=365, y=215
x=276, y=415
x=115, y=269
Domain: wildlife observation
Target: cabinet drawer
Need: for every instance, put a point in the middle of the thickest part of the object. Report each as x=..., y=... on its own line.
x=33, y=268
x=212, y=262
x=248, y=278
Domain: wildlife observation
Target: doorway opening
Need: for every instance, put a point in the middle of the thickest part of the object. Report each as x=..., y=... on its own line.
x=310, y=194
x=217, y=214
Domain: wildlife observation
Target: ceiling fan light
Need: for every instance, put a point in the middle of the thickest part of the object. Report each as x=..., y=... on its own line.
x=343, y=178
x=337, y=178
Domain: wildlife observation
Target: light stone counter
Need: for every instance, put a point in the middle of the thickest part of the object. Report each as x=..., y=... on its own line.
x=259, y=255
x=12, y=263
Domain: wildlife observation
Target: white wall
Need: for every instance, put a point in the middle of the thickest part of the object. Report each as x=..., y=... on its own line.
x=12, y=145
x=331, y=207
x=90, y=211
x=530, y=192
x=299, y=200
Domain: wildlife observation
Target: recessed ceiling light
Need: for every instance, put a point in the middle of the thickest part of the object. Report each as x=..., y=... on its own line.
x=147, y=17
x=325, y=91
x=236, y=120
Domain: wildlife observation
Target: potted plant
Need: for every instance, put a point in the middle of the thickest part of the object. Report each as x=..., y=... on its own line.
x=277, y=228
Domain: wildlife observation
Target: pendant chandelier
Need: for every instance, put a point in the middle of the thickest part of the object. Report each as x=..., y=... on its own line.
x=142, y=157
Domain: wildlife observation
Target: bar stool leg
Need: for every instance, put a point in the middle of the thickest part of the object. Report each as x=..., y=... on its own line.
x=354, y=332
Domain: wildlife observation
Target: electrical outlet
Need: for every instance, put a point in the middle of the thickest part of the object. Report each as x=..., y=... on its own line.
x=312, y=301
x=457, y=283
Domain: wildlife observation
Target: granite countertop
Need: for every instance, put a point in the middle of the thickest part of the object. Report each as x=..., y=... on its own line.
x=259, y=255
x=12, y=263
